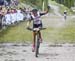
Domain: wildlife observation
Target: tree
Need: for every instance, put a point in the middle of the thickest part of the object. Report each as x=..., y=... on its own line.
x=68, y=3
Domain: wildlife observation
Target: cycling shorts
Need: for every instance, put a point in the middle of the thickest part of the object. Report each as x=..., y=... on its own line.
x=37, y=25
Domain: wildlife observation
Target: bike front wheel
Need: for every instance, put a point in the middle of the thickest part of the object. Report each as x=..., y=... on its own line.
x=37, y=45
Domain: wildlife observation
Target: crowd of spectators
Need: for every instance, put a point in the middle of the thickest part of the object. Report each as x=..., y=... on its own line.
x=10, y=16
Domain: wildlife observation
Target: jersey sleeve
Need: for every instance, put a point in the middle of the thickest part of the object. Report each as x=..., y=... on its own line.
x=41, y=14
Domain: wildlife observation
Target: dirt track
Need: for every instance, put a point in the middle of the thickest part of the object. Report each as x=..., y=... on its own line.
x=48, y=52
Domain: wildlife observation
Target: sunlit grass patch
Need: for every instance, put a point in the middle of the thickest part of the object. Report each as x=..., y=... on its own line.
x=64, y=34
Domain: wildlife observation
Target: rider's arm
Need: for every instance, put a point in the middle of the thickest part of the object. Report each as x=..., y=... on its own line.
x=28, y=24
x=29, y=21
x=45, y=12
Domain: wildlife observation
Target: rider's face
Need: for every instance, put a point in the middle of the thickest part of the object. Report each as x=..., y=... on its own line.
x=34, y=13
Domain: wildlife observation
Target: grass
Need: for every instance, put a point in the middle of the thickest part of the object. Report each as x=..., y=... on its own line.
x=64, y=34
x=19, y=33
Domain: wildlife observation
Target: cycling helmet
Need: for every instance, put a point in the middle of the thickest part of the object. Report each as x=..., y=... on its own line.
x=34, y=10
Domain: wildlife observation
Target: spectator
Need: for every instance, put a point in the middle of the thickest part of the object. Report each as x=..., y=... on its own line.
x=0, y=17
x=28, y=14
x=65, y=14
x=1, y=2
x=5, y=3
x=8, y=17
x=8, y=11
x=9, y=2
x=24, y=13
x=2, y=13
x=16, y=2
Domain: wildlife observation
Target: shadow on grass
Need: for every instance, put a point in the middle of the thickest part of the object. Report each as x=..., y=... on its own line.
x=3, y=32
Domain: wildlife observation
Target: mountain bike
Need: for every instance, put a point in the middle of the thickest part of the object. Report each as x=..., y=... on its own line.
x=37, y=39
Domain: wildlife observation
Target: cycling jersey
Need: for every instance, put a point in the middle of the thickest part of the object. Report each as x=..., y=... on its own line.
x=37, y=19
x=37, y=22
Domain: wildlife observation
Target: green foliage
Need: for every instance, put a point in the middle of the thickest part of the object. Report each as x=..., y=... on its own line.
x=68, y=3
x=61, y=7
x=37, y=3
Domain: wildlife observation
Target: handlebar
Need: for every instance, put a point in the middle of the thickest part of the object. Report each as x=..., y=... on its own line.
x=35, y=29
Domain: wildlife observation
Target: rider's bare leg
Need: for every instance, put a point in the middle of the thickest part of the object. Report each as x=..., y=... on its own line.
x=33, y=46
x=40, y=36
